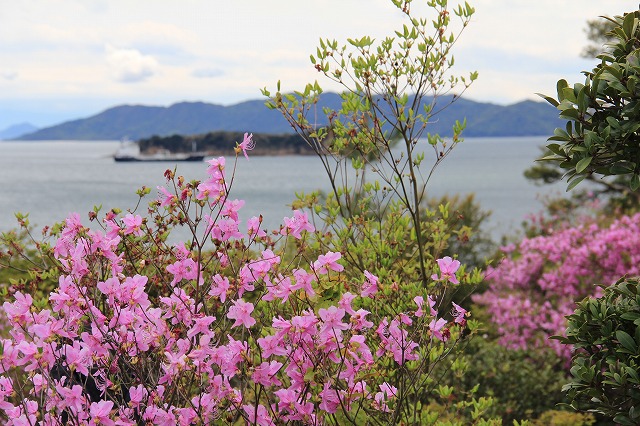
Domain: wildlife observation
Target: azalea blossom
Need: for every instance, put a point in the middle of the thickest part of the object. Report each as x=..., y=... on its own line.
x=330, y=261
x=241, y=312
x=247, y=144
x=295, y=225
x=133, y=224
x=448, y=268
x=370, y=286
x=459, y=313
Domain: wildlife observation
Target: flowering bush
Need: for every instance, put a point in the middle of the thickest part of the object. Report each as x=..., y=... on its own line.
x=539, y=282
x=218, y=328
x=349, y=323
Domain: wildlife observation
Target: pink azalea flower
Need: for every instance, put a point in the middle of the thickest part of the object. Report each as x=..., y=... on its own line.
x=435, y=326
x=359, y=320
x=271, y=345
x=166, y=198
x=201, y=326
x=386, y=394
x=241, y=312
x=99, y=412
x=330, y=399
x=216, y=168
x=265, y=373
x=133, y=224
x=223, y=229
x=210, y=188
x=419, y=301
x=303, y=281
x=332, y=318
x=258, y=416
x=295, y=225
x=220, y=287
x=329, y=260
x=186, y=269
x=247, y=144
x=370, y=286
x=253, y=227
x=448, y=268
x=432, y=303
x=345, y=302
x=18, y=310
x=287, y=399
x=137, y=395
x=459, y=313
x=231, y=208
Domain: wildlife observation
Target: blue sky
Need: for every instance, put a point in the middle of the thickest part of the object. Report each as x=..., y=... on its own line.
x=68, y=59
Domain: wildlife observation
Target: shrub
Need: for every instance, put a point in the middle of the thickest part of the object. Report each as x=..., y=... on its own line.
x=605, y=333
x=523, y=383
x=342, y=316
x=533, y=289
x=601, y=133
x=564, y=418
x=141, y=330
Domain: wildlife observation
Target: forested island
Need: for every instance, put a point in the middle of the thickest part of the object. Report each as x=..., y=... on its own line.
x=223, y=143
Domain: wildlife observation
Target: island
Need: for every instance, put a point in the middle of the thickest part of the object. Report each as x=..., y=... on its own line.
x=223, y=143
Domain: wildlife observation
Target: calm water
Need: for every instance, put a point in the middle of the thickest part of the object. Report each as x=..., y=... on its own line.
x=49, y=180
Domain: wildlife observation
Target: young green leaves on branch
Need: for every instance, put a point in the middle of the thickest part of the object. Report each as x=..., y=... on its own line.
x=601, y=135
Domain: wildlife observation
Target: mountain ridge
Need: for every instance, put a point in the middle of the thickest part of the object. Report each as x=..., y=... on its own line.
x=17, y=130
x=525, y=118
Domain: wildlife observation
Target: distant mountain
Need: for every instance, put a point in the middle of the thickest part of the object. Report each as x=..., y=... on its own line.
x=526, y=118
x=17, y=130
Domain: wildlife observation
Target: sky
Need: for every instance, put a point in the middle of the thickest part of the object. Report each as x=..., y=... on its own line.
x=67, y=59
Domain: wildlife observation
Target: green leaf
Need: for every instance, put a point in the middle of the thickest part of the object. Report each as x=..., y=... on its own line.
x=626, y=341
x=620, y=169
x=631, y=316
x=549, y=99
x=570, y=113
x=560, y=87
x=583, y=164
x=623, y=420
x=629, y=25
x=574, y=182
x=555, y=148
x=560, y=133
x=635, y=182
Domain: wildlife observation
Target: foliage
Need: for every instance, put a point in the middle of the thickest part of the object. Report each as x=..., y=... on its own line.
x=138, y=329
x=564, y=418
x=465, y=219
x=26, y=264
x=601, y=133
x=599, y=33
x=537, y=284
x=347, y=324
x=605, y=332
x=380, y=224
x=523, y=383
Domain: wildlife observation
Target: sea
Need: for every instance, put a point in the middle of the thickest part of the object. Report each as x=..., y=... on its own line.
x=51, y=179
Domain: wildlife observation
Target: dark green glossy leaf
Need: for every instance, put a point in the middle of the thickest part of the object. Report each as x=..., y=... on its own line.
x=574, y=182
x=626, y=340
x=583, y=164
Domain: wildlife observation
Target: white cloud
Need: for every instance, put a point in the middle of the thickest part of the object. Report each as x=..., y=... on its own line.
x=207, y=73
x=130, y=65
x=8, y=74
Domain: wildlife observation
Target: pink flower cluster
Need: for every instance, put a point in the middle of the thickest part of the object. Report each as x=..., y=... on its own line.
x=537, y=284
x=206, y=349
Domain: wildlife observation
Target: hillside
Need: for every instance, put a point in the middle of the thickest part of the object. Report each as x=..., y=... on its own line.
x=17, y=130
x=218, y=143
x=526, y=118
